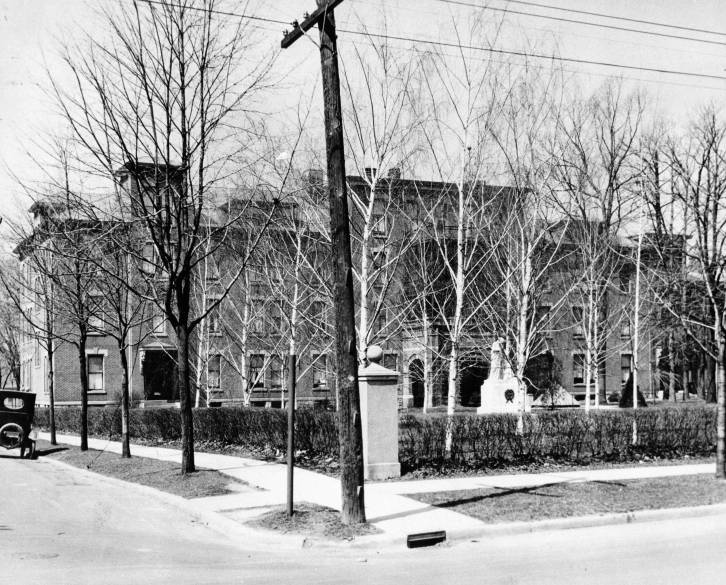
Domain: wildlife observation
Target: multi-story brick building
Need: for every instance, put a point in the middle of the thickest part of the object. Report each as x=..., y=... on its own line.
x=241, y=347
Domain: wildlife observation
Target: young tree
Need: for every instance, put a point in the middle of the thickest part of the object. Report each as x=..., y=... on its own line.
x=597, y=167
x=462, y=98
x=381, y=139
x=534, y=250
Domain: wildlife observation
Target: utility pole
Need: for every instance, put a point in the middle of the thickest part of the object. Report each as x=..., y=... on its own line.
x=349, y=418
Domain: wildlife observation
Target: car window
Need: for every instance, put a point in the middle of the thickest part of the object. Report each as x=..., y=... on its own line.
x=13, y=403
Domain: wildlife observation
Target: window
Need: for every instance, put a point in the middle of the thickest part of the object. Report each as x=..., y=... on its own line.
x=276, y=372
x=255, y=377
x=317, y=312
x=625, y=329
x=213, y=319
x=626, y=363
x=542, y=320
x=95, y=373
x=379, y=225
x=390, y=361
x=382, y=320
x=37, y=293
x=214, y=371
x=158, y=323
x=625, y=282
x=320, y=370
x=578, y=315
x=36, y=352
x=95, y=313
x=148, y=258
x=257, y=317
x=13, y=403
x=578, y=368
x=274, y=315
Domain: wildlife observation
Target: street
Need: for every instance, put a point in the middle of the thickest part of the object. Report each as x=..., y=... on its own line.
x=60, y=526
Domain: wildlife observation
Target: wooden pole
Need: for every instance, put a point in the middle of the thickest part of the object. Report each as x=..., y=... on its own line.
x=291, y=379
x=349, y=418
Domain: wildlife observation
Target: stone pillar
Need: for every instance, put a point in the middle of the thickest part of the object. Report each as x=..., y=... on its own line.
x=379, y=417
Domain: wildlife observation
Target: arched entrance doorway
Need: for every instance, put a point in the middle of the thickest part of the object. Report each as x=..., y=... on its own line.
x=473, y=374
x=416, y=382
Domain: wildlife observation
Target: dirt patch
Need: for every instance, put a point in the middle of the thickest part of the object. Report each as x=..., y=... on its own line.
x=312, y=520
x=162, y=475
x=563, y=500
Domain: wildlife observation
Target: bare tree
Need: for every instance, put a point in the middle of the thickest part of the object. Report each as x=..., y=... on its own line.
x=597, y=168
x=699, y=168
x=462, y=98
x=528, y=235
x=10, y=330
x=381, y=139
x=164, y=102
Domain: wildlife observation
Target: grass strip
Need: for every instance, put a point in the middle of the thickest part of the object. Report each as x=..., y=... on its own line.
x=161, y=475
x=567, y=499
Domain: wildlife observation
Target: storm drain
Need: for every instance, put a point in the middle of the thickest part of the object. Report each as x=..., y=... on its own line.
x=425, y=539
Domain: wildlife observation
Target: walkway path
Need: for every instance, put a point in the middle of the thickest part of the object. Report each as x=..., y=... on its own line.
x=386, y=505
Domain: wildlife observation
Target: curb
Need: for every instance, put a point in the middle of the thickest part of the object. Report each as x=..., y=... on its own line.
x=258, y=538
x=575, y=522
x=516, y=528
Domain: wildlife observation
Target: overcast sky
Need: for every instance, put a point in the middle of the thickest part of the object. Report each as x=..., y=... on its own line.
x=30, y=31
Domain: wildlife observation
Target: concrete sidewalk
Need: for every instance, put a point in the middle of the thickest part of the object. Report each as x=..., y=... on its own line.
x=395, y=515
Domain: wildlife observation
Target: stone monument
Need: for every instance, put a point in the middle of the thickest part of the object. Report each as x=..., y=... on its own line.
x=501, y=391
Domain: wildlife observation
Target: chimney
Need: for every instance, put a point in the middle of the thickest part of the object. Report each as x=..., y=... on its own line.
x=394, y=173
x=313, y=177
x=370, y=171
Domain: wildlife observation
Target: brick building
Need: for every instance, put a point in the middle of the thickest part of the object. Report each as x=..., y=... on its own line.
x=241, y=347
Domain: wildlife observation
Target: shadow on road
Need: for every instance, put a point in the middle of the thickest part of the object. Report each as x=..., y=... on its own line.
x=50, y=451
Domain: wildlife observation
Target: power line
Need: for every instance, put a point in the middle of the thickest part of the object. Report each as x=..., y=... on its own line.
x=469, y=47
x=583, y=72
x=583, y=22
x=538, y=55
x=551, y=31
x=622, y=18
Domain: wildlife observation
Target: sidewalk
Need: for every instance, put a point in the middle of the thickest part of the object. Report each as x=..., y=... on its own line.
x=395, y=515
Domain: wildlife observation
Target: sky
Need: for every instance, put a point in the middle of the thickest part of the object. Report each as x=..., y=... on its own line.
x=32, y=32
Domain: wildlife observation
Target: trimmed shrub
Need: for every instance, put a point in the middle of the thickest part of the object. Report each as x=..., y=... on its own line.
x=254, y=428
x=479, y=442
x=566, y=436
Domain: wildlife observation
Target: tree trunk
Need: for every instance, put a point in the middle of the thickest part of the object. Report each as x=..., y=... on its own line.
x=671, y=368
x=84, y=391
x=349, y=418
x=721, y=409
x=451, y=398
x=51, y=389
x=428, y=386
x=185, y=400
x=125, y=449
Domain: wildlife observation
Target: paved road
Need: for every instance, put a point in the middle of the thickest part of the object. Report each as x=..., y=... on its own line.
x=62, y=527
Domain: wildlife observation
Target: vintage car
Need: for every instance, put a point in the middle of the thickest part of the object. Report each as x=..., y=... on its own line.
x=16, y=422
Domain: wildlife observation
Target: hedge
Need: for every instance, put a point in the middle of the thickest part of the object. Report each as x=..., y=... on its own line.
x=254, y=428
x=478, y=441
x=568, y=435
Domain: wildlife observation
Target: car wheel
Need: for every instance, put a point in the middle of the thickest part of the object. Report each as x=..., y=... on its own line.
x=12, y=436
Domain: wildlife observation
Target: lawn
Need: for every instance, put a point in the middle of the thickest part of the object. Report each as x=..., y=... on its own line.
x=562, y=500
x=161, y=475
